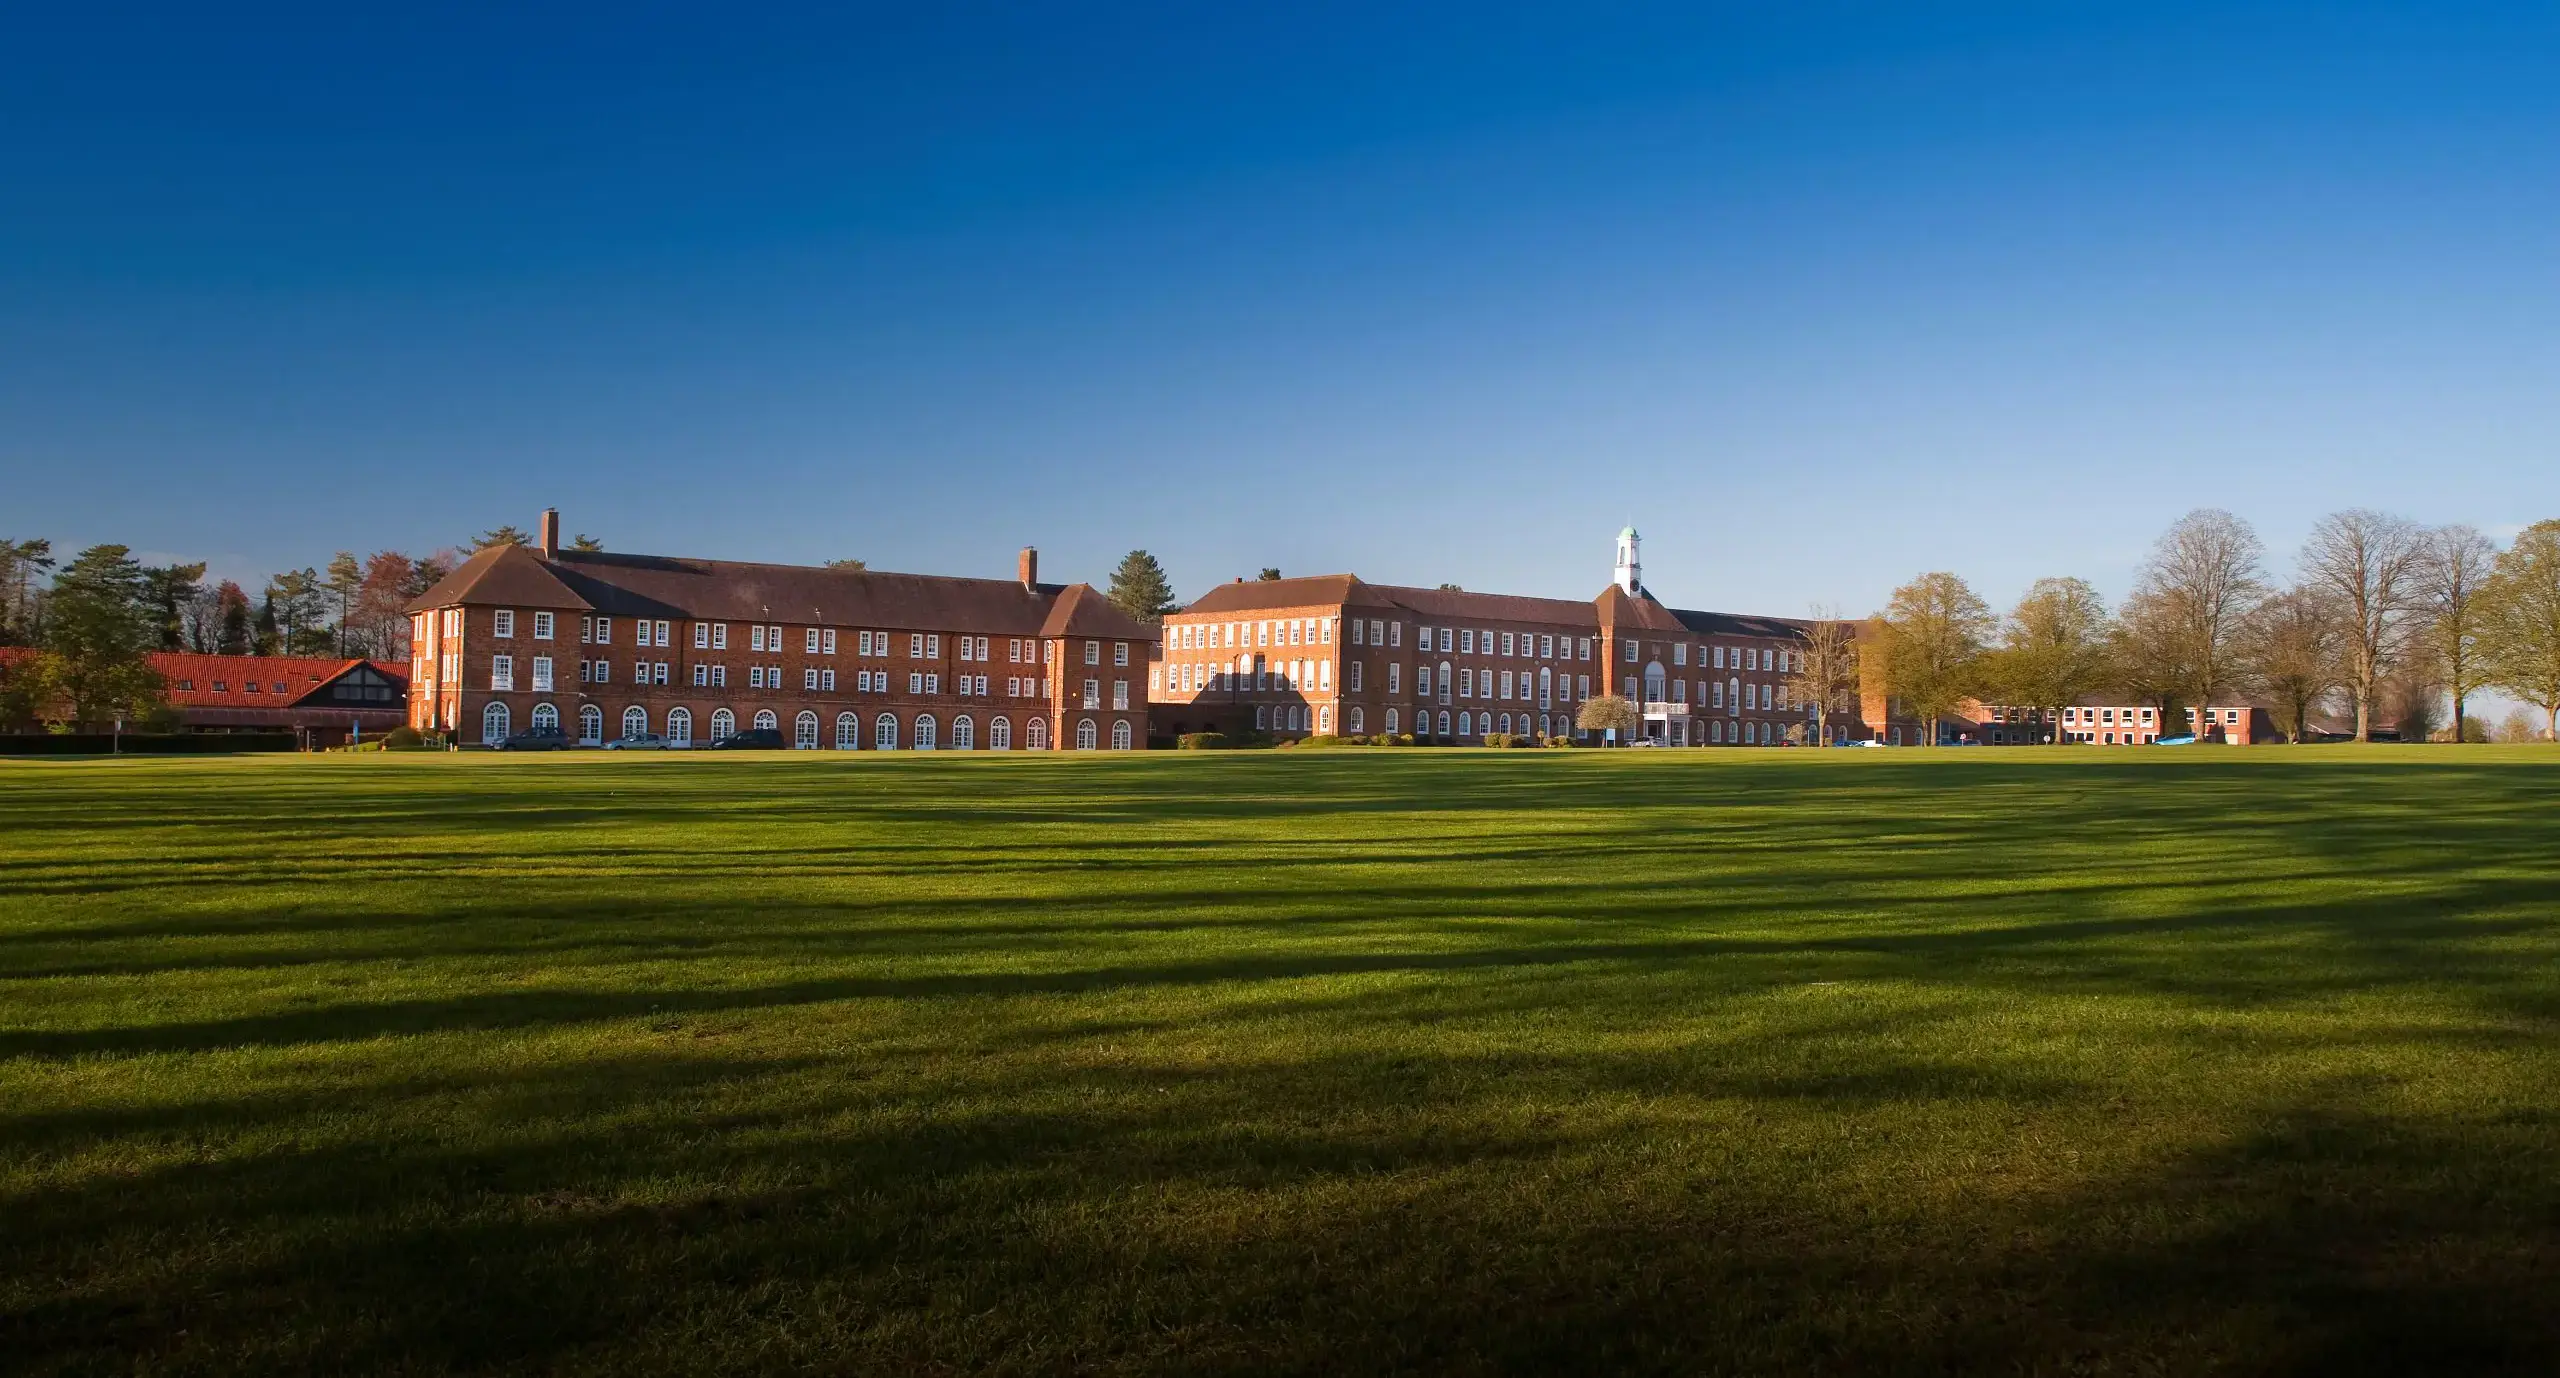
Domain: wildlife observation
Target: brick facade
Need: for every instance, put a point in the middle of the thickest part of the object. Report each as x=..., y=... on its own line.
x=609, y=645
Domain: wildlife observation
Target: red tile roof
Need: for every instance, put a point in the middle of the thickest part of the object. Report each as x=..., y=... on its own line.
x=1349, y=590
x=192, y=678
x=618, y=585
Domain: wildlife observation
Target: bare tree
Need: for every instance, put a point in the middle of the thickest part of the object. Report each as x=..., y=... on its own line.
x=2457, y=564
x=1935, y=630
x=1826, y=670
x=2373, y=565
x=2290, y=648
x=2190, y=604
x=2055, y=646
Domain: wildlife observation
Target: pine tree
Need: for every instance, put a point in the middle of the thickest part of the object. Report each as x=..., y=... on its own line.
x=99, y=624
x=234, y=638
x=587, y=543
x=505, y=535
x=346, y=577
x=1139, y=588
x=167, y=589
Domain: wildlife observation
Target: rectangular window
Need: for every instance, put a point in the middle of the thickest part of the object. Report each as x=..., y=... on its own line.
x=1358, y=628
x=586, y=671
x=1582, y=649
x=1093, y=653
x=1582, y=684
x=808, y=680
x=827, y=643
x=662, y=634
x=1506, y=684
x=662, y=672
x=1324, y=676
x=542, y=626
x=1119, y=693
x=719, y=636
x=1422, y=680
x=755, y=638
x=701, y=675
x=1466, y=641
x=809, y=641
x=1395, y=634
x=1093, y=693
x=604, y=631
x=933, y=645
x=1631, y=653
x=1680, y=654
x=755, y=677
x=1466, y=684
x=1506, y=644
x=719, y=676
x=542, y=674
x=701, y=636
x=1448, y=639
x=915, y=645
x=1013, y=686
x=1395, y=672
x=502, y=622
x=1351, y=673
x=586, y=630
x=1120, y=653
x=915, y=681
x=502, y=672
x=1719, y=654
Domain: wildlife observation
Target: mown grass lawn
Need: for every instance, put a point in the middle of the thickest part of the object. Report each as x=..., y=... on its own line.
x=1967, y=1061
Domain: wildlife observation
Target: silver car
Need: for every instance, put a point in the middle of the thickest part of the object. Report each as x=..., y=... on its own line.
x=646, y=741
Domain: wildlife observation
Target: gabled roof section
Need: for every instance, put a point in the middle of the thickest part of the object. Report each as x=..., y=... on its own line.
x=509, y=575
x=1261, y=595
x=1621, y=608
x=281, y=681
x=1083, y=611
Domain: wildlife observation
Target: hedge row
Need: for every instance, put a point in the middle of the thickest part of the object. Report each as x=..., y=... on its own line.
x=142, y=743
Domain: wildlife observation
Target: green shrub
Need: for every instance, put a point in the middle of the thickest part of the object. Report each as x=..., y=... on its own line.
x=1325, y=740
x=1202, y=741
x=1560, y=740
x=404, y=738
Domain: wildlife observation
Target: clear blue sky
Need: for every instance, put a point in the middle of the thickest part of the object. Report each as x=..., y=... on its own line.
x=1820, y=296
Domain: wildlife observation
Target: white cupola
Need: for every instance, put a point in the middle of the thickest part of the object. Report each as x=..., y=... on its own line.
x=1630, y=574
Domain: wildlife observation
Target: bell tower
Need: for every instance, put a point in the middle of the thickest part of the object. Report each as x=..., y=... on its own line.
x=1630, y=572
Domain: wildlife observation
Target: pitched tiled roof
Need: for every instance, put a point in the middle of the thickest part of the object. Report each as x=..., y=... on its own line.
x=1643, y=610
x=618, y=585
x=507, y=575
x=278, y=680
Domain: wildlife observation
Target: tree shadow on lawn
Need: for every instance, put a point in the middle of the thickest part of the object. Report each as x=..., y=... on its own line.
x=1358, y=1212
x=2449, y=935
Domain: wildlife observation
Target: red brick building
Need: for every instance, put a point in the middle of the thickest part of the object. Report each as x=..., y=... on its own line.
x=2115, y=721
x=1335, y=654
x=323, y=701
x=606, y=645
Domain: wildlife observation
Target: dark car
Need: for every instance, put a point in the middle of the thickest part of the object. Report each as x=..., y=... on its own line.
x=753, y=739
x=535, y=739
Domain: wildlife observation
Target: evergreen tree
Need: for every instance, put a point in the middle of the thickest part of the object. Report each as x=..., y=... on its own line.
x=167, y=590
x=1139, y=588
x=586, y=543
x=346, y=579
x=1270, y=574
x=505, y=535
x=99, y=624
x=264, y=639
x=856, y=566
x=21, y=562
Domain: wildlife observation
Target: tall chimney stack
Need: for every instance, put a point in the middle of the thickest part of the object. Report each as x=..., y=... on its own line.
x=1028, y=567
x=550, y=533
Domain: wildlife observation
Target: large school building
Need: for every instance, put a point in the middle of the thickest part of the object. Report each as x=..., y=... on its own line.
x=604, y=645
x=1336, y=654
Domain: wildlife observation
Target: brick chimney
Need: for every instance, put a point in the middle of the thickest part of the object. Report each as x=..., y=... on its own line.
x=1028, y=568
x=550, y=538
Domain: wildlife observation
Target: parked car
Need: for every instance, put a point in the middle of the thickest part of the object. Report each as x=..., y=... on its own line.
x=2188, y=740
x=753, y=739
x=535, y=739
x=645, y=741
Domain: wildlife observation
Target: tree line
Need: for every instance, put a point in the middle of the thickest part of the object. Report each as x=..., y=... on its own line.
x=2384, y=620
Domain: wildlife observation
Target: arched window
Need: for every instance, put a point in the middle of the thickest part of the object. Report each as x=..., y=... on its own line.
x=590, y=725
x=1444, y=688
x=493, y=724
x=1506, y=722
x=1733, y=696
x=848, y=732
x=724, y=724
x=1391, y=722
x=1546, y=687
x=635, y=721
x=1087, y=737
x=1120, y=735
x=1000, y=735
x=804, y=731
x=1352, y=718
x=544, y=715
x=766, y=721
x=1444, y=722
x=1715, y=730
x=1297, y=717
x=884, y=732
x=1036, y=736
x=964, y=733
x=924, y=732
x=679, y=727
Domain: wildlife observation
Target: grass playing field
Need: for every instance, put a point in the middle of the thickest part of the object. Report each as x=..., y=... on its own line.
x=2027, y=1061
